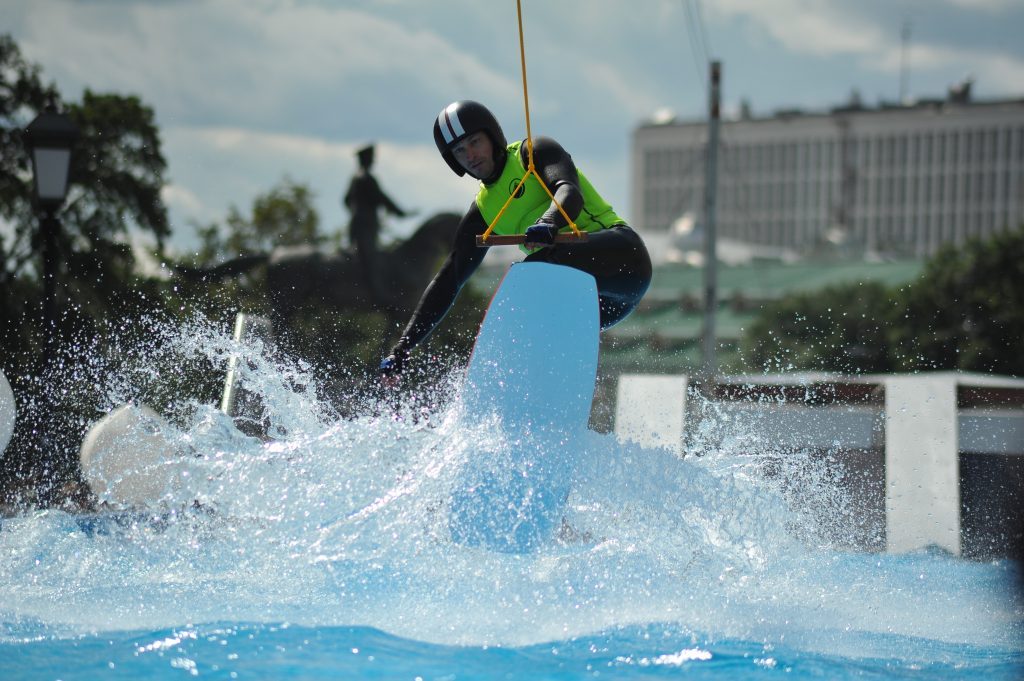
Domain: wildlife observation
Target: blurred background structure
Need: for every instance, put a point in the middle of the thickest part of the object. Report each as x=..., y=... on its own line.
x=860, y=182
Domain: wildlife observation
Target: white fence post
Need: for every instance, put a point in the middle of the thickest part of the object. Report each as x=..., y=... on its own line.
x=651, y=410
x=922, y=463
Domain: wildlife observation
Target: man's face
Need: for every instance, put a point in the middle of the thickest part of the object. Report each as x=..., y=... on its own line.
x=475, y=153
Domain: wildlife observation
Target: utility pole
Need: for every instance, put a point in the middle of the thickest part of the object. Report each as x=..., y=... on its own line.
x=710, y=199
x=847, y=188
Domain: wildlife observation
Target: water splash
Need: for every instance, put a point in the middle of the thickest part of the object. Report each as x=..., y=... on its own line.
x=344, y=522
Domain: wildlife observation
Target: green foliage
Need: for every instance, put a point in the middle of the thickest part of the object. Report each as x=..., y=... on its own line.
x=22, y=96
x=840, y=328
x=114, y=186
x=116, y=173
x=115, y=180
x=967, y=310
x=117, y=170
x=283, y=216
x=966, y=313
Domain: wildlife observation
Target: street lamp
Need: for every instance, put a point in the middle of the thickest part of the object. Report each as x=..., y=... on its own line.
x=50, y=138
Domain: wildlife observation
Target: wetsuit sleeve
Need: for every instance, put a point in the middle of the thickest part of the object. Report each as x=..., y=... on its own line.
x=556, y=168
x=441, y=292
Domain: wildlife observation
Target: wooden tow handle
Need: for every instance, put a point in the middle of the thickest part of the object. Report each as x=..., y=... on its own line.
x=516, y=239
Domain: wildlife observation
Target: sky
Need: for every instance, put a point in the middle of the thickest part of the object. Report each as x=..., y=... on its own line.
x=248, y=92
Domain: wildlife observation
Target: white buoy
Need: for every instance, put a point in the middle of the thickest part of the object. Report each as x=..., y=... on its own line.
x=8, y=412
x=129, y=461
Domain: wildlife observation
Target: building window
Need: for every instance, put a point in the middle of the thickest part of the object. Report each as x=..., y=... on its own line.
x=1006, y=192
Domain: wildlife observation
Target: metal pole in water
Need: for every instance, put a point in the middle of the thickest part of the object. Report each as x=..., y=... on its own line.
x=710, y=198
x=244, y=325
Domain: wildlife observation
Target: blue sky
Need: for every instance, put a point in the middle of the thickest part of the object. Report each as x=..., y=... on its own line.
x=249, y=91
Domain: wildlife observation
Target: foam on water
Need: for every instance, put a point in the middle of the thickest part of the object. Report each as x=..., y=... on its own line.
x=343, y=522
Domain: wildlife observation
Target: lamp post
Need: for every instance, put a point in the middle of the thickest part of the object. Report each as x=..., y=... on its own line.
x=50, y=138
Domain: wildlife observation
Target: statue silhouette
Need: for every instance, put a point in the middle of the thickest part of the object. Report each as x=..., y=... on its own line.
x=364, y=199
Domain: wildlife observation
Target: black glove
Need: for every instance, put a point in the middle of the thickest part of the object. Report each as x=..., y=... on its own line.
x=392, y=365
x=541, y=233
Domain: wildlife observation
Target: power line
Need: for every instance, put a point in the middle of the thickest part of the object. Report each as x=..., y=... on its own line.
x=904, y=62
x=705, y=44
x=697, y=47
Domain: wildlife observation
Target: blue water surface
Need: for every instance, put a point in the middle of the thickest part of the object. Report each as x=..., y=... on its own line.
x=326, y=552
x=633, y=652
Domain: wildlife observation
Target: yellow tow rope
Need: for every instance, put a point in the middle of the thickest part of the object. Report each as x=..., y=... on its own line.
x=485, y=239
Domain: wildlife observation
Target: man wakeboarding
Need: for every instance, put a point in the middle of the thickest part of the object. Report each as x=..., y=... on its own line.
x=471, y=141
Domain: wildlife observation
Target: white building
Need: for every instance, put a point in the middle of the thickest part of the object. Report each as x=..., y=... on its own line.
x=898, y=180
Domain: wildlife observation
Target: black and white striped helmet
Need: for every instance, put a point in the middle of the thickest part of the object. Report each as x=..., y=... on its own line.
x=459, y=119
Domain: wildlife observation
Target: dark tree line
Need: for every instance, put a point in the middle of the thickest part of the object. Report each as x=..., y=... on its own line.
x=115, y=178
x=965, y=312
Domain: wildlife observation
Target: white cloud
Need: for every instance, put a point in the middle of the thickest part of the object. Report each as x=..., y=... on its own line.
x=253, y=63
x=807, y=26
x=830, y=28
x=285, y=146
x=1004, y=69
x=993, y=6
x=181, y=199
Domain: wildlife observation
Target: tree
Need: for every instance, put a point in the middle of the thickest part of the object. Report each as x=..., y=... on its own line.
x=283, y=216
x=967, y=310
x=114, y=186
x=840, y=328
x=22, y=96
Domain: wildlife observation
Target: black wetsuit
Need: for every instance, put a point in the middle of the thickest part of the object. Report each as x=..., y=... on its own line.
x=616, y=256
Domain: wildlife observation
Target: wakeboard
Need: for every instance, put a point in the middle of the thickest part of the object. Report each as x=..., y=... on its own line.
x=532, y=375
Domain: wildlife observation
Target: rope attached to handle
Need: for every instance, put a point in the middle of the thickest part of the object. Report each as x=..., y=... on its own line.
x=486, y=239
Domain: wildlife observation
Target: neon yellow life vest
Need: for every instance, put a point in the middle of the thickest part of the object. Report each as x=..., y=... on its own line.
x=532, y=201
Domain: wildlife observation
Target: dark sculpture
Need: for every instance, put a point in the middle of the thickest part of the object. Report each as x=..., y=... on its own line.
x=302, y=275
x=364, y=199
